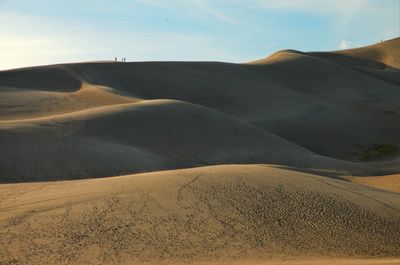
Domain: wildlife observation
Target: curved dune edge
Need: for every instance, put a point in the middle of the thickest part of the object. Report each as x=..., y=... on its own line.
x=208, y=215
x=385, y=53
x=150, y=135
x=387, y=182
x=25, y=105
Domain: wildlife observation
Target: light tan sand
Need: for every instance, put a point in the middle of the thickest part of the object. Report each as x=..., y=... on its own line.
x=388, y=182
x=316, y=261
x=312, y=261
x=212, y=214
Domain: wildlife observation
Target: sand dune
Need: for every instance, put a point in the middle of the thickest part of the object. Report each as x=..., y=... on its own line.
x=20, y=104
x=203, y=214
x=380, y=60
x=146, y=136
x=316, y=103
x=343, y=104
x=386, y=53
x=278, y=161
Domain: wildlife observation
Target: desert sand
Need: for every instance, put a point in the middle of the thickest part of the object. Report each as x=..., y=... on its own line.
x=387, y=182
x=292, y=159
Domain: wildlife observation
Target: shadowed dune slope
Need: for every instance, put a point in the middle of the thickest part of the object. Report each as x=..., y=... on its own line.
x=314, y=102
x=146, y=136
x=53, y=78
x=23, y=104
x=210, y=214
x=307, y=110
x=381, y=60
x=336, y=107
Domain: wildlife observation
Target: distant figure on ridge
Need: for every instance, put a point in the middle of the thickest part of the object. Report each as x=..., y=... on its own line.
x=115, y=58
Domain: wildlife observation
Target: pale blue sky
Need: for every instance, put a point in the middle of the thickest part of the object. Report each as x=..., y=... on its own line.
x=36, y=32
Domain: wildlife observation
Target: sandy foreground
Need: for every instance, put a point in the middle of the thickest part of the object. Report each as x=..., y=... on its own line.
x=293, y=159
x=314, y=261
x=210, y=214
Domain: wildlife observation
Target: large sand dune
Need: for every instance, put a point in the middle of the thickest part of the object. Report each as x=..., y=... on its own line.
x=210, y=214
x=322, y=127
x=146, y=136
x=234, y=113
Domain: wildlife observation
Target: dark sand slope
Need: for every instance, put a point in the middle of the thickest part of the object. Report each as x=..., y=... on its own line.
x=210, y=214
x=147, y=136
x=304, y=110
x=312, y=102
x=315, y=102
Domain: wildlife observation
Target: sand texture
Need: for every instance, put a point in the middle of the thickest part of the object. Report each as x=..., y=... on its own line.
x=228, y=213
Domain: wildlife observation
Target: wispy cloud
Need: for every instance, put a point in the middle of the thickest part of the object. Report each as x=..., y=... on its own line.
x=47, y=45
x=342, y=10
x=344, y=44
x=326, y=6
x=155, y=3
x=207, y=7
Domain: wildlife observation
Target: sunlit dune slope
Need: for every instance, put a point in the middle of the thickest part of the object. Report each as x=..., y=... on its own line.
x=210, y=214
x=386, y=52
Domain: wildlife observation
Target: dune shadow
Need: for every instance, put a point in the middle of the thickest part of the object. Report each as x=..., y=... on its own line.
x=319, y=172
x=48, y=78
